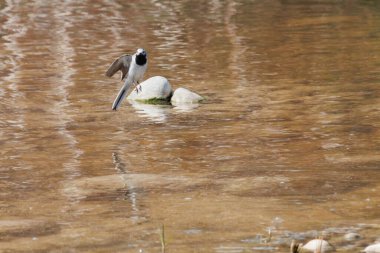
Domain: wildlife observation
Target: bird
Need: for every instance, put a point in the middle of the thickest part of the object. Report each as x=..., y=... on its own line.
x=132, y=69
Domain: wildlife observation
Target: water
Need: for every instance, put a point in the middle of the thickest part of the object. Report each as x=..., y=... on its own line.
x=287, y=140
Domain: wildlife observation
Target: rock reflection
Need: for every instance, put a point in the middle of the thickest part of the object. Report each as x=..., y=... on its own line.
x=156, y=113
x=185, y=107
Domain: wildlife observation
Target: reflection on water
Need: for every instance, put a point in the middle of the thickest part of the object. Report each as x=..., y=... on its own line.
x=185, y=107
x=288, y=139
x=156, y=113
x=130, y=188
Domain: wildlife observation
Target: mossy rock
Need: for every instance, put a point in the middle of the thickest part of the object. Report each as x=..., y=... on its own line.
x=154, y=90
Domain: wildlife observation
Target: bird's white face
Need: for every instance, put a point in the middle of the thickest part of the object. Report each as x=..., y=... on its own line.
x=141, y=51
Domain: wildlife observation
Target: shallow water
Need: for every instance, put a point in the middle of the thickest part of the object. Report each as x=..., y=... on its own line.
x=287, y=140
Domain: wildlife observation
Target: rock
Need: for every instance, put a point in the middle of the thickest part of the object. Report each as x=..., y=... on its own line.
x=316, y=244
x=182, y=95
x=374, y=248
x=352, y=236
x=153, y=90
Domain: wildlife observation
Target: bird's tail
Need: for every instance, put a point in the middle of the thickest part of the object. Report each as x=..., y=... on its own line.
x=120, y=97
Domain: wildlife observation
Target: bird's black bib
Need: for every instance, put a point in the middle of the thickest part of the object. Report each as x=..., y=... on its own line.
x=140, y=59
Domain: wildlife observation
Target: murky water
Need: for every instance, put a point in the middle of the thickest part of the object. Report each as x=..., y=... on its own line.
x=287, y=140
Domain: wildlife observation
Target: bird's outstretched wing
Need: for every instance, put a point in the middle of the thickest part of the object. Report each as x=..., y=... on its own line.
x=122, y=63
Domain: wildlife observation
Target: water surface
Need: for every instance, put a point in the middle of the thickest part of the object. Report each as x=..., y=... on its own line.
x=287, y=140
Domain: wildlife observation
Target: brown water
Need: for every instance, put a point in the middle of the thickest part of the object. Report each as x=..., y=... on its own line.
x=287, y=140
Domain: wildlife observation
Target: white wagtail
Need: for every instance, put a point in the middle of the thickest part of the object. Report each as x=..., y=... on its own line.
x=132, y=69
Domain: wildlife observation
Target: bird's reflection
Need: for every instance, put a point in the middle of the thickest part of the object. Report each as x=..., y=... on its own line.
x=156, y=113
x=129, y=186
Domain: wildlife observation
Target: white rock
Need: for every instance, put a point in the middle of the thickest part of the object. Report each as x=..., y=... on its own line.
x=374, y=248
x=154, y=87
x=182, y=95
x=316, y=244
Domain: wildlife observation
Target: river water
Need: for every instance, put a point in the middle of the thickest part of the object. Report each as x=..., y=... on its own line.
x=287, y=139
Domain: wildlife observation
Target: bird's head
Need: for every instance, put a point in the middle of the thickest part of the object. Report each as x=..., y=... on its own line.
x=141, y=56
x=141, y=51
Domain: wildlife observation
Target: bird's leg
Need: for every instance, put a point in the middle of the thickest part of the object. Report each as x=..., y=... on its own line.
x=138, y=86
x=136, y=89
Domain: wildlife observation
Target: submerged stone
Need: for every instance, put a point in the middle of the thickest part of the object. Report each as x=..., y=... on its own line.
x=318, y=245
x=155, y=90
x=182, y=95
x=352, y=236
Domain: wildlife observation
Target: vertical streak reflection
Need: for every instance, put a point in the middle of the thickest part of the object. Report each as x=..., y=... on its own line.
x=62, y=48
x=236, y=64
x=129, y=185
x=10, y=93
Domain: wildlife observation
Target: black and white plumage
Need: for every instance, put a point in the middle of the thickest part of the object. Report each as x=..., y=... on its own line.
x=132, y=69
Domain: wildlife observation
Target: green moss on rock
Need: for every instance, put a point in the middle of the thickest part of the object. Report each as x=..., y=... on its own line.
x=155, y=101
